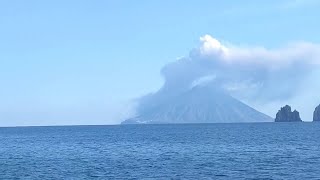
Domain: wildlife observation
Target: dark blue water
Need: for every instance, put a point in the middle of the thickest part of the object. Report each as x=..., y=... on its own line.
x=199, y=151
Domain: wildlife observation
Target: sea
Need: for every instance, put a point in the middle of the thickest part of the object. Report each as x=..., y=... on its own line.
x=175, y=151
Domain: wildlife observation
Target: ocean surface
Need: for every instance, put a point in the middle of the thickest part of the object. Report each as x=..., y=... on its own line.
x=190, y=151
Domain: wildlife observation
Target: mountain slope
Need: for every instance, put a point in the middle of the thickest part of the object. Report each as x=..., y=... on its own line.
x=197, y=105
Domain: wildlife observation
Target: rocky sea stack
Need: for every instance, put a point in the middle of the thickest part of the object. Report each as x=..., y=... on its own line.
x=286, y=115
x=316, y=114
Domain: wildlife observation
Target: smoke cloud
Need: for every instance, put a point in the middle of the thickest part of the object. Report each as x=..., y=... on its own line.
x=263, y=78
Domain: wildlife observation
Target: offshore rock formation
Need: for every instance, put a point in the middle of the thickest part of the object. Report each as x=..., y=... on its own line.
x=286, y=115
x=200, y=104
x=316, y=114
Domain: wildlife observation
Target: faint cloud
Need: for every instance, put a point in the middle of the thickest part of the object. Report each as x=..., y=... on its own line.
x=294, y=4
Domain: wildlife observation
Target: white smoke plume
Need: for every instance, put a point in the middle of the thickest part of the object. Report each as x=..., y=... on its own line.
x=263, y=78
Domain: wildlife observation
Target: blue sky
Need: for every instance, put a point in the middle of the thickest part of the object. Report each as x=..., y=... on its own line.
x=81, y=62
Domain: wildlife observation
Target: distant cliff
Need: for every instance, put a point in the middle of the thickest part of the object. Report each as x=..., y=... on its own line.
x=316, y=114
x=286, y=115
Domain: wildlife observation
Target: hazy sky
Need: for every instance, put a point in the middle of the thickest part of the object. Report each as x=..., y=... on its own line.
x=81, y=62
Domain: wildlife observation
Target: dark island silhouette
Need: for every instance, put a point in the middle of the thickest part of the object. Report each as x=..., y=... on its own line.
x=316, y=114
x=286, y=115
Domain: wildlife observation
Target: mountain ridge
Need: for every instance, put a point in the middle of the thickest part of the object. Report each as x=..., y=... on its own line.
x=200, y=104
